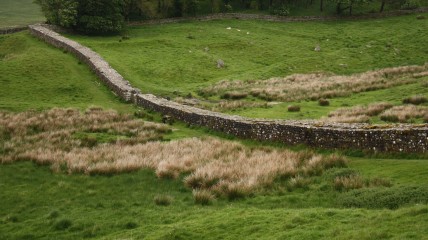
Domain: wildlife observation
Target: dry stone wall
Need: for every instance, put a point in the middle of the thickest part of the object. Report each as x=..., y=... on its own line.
x=4, y=31
x=397, y=138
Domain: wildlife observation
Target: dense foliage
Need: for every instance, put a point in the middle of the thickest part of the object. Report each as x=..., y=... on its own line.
x=90, y=16
x=102, y=16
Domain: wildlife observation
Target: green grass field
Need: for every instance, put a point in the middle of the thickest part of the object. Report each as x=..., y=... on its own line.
x=19, y=13
x=37, y=203
x=51, y=78
x=172, y=60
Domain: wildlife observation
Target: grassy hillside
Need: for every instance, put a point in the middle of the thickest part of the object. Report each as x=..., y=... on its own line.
x=39, y=204
x=37, y=76
x=177, y=59
x=47, y=201
x=173, y=57
x=19, y=13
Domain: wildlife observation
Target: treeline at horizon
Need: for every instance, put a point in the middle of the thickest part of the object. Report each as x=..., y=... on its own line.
x=103, y=16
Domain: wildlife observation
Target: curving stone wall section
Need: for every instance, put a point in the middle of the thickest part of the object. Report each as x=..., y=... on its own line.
x=397, y=138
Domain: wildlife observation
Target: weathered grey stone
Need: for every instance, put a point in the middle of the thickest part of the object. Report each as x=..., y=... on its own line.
x=220, y=63
x=391, y=138
x=317, y=48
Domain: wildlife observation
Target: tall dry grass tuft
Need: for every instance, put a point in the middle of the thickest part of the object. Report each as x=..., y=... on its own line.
x=318, y=85
x=357, y=113
x=404, y=113
x=345, y=183
x=223, y=168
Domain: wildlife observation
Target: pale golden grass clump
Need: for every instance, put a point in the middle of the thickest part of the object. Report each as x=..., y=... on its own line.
x=355, y=181
x=57, y=132
x=319, y=85
x=404, y=113
x=223, y=168
x=357, y=113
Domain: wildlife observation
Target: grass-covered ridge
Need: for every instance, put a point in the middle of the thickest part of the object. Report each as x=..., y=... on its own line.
x=19, y=13
x=182, y=57
x=179, y=61
x=37, y=76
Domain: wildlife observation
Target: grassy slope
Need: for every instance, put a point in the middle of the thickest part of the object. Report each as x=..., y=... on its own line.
x=37, y=76
x=164, y=58
x=19, y=13
x=34, y=200
x=311, y=109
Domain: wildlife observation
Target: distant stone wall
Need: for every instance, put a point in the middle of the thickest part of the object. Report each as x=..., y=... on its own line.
x=12, y=30
x=396, y=138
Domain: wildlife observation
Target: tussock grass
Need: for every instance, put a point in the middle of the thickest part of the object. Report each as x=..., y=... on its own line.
x=318, y=85
x=163, y=200
x=407, y=113
x=203, y=197
x=223, y=168
x=357, y=113
x=293, y=108
x=391, y=198
x=415, y=100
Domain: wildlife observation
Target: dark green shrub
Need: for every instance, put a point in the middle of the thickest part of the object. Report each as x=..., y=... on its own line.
x=131, y=225
x=191, y=7
x=389, y=118
x=89, y=16
x=410, y=4
x=293, y=108
x=203, y=197
x=415, y=100
x=391, y=198
x=62, y=224
x=163, y=200
x=281, y=11
x=234, y=95
x=323, y=102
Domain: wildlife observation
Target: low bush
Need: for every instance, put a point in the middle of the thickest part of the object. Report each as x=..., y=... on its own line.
x=234, y=95
x=415, y=100
x=203, y=197
x=293, y=108
x=62, y=224
x=391, y=198
x=163, y=200
x=131, y=225
x=348, y=182
x=323, y=102
x=410, y=4
x=298, y=182
x=389, y=118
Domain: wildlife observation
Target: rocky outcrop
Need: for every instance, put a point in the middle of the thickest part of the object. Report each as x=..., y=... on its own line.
x=391, y=138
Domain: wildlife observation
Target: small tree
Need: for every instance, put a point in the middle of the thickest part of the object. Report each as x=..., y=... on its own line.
x=191, y=7
x=59, y=12
x=342, y=5
x=90, y=16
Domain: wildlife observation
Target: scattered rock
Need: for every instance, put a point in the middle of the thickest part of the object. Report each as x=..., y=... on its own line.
x=317, y=48
x=228, y=28
x=220, y=63
x=248, y=33
x=167, y=119
x=206, y=49
x=343, y=65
